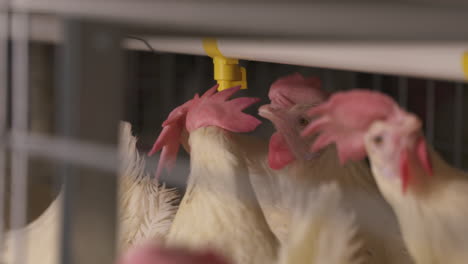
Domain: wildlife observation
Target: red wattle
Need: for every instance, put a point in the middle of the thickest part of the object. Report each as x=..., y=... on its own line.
x=279, y=154
x=421, y=152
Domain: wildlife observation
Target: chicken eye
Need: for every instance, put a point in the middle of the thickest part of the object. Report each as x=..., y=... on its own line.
x=303, y=121
x=378, y=140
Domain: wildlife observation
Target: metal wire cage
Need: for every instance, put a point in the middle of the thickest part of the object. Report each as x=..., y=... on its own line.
x=96, y=84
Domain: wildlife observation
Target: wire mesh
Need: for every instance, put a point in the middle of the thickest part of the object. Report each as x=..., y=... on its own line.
x=171, y=92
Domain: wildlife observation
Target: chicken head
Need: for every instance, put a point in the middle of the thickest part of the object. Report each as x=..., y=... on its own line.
x=397, y=147
x=364, y=123
x=211, y=109
x=214, y=109
x=344, y=118
x=291, y=97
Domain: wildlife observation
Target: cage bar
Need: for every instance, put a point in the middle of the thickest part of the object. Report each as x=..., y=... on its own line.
x=377, y=82
x=434, y=58
x=20, y=116
x=458, y=126
x=71, y=151
x=4, y=23
x=403, y=92
x=90, y=106
x=90, y=91
x=167, y=75
x=430, y=105
x=328, y=80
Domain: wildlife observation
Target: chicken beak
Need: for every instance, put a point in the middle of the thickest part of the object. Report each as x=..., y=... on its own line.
x=267, y=111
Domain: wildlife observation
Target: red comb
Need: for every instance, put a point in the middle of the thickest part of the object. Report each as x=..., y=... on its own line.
x=214, y=109
x=296, y=89
x=198, y=112
x=344, y=119
x=296, y=78
x=169, y=139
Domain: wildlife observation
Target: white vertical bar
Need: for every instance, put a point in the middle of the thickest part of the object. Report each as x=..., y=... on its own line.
x=403, y=92
x=19, y=162
x=458, y=126
x=430, y=105
x=377, y=82
x=3, y=114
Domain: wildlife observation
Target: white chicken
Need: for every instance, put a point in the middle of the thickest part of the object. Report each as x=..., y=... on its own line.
x=219, y=209
x=428, y=195
x=146, y=210
x=282, y=167
x=323, y=232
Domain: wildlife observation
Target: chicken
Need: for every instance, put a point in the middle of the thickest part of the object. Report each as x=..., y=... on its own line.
x=323, y=233
x=322, y=230
x=146, y=210
x=268, y=162
x=282, y=167
x=219, y=209
x=41, y=244
x=428, y=195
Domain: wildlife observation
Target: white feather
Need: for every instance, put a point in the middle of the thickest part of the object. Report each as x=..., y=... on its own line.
x=322, y=230
x=219, y=209
x=146, y=210
x=377, y=223
x=433, y=216
x=41, y=238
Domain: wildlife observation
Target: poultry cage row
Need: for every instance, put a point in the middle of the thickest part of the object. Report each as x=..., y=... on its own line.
x=70, y=70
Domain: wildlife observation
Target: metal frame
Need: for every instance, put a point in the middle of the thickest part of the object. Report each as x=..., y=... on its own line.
x=318, y=20
x=4, y=36
x=91, y=79
x=20, y=124
x=435, y=59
